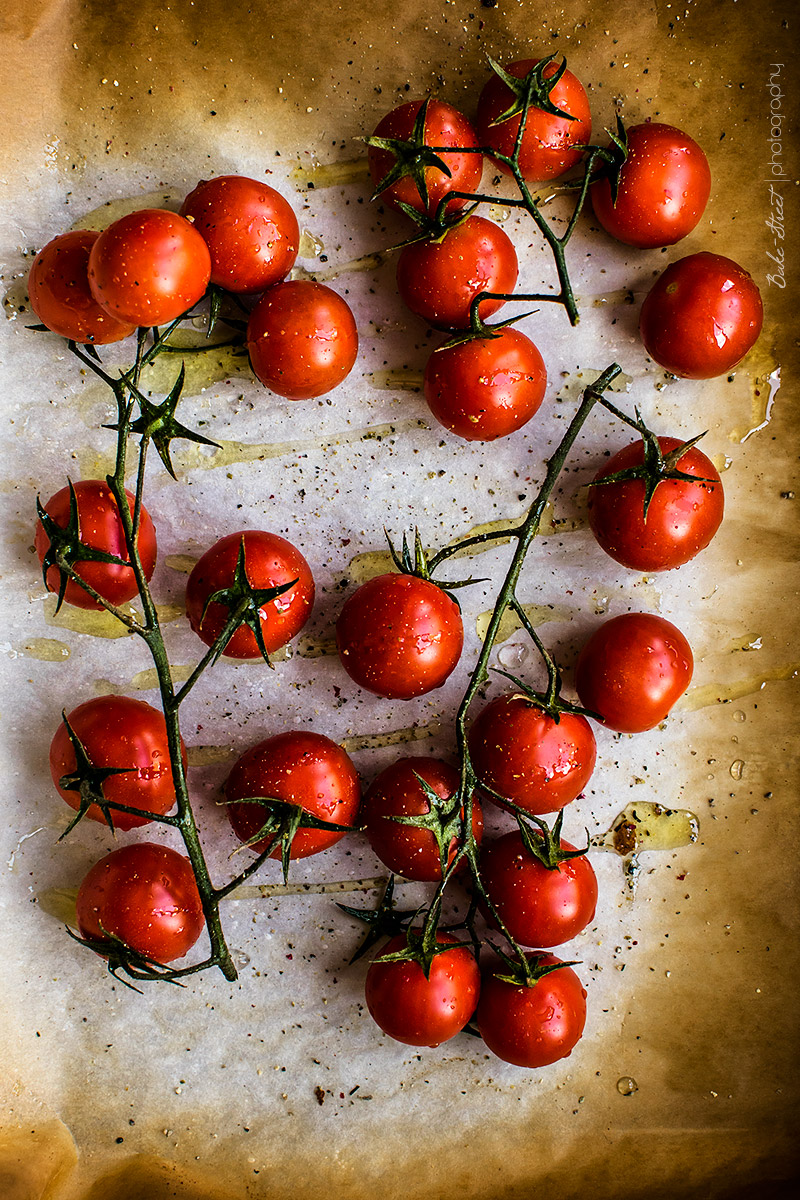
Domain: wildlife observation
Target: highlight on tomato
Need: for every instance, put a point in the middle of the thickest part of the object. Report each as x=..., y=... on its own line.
x=250, y=229
x=82, y=524
x=115, y=749
x=58, y=287
x=531, y=1018
x=149, y=267
x=144, y=896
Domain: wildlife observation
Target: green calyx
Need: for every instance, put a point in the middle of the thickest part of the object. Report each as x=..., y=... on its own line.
x=544, y=843
x=656, y=467
x=383, y=921
x=158, y=423
x=417, y=565
x=245, y=603
x=422, y=947
x=443, y=820
x=66, y=547
x=412, y=157
x=532, y=90
x=281, y=823
x=87, y=780
x=551, y=701
x=526, y=970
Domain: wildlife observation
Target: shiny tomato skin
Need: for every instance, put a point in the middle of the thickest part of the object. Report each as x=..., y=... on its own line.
x=399, y=636
x=664, y=185
x=100, y=528
x=251, y=231
x=419, y=1011
x=486, y=388
x=58, y=287
x=520, y=751
x=123, y=733
x=701, y=316
x=540, y=907
x=444, y=126
x=396, y=792
x=438, y=280
x=149, y=267
x=681, y=520
x=632, y=670
x=298, y=767
x=532, y=1026
x=302, y=339
x=146, y=895
x=269, y=561
x=550, y=144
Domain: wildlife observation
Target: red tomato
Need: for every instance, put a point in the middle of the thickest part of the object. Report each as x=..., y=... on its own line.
x=122, y=733
x=58, y=286
x=550, y=144
x=486, y=388
x=399, y=636
x=682, y=517
x=664, y=185
x=302, y=339
x=532, y=1026
x=439, y=279
x=632, y=670
x=298, y=767
x=409, y=850
x=250, y=230
x=149, y=267
x=539, y=906
x=444, y=126
x=419, y=1011
x=701, y=316
x=100, y=528
x=522, y=752
x=269, y=561
x=146, y=896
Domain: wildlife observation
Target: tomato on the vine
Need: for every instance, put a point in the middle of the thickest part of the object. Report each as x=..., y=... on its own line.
x=551, y=144
x=532, y=1025
x=215, y=587
x=682, y=514
x=399, y=636
x=125, y=741
x=439, y=278
x=149, y=267
x=444, y=126
x=522, y=752
x=146, y=896
x=251, y=231
x=701, y=316
x=298, y=768
x=302, y=339
x=663, y=188
x=632, y=670
x=58, y=287
x=486, y=388
x=93, y=525
x=412, y=850
x=540, y=905
x=419, y=1010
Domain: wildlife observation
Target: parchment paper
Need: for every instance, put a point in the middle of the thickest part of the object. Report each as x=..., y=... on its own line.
x=685, y=1083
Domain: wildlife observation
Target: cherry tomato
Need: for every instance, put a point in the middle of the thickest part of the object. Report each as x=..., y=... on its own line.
x=146, y=896
x=399, y=636
x=701, y=316
x=439, y=279
x=118, y=733
x=444, y=126
x=539, y=906
x=486, y=388
x=632, y=670
x=682, y=517
x=149, y=267
x=664, y=185
x=522, y=752
x=269, y=561
x=298, y=767
x=302, y=339
x=419, y=1011
x=250, y=230
x=58, y=286
x=409, y=850
x=550, y=144
x=100, y=528
x=532, y=1026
